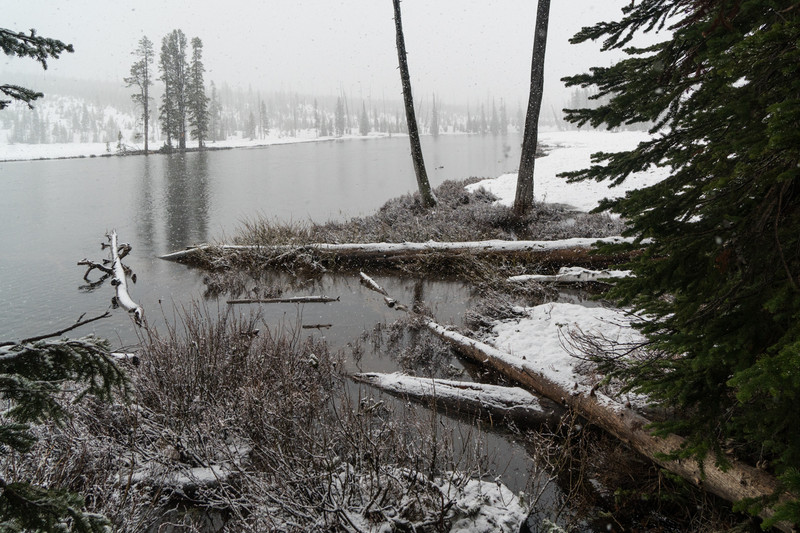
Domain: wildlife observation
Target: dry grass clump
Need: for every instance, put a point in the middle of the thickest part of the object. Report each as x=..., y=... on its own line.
x=459, y=216
x=233, y=427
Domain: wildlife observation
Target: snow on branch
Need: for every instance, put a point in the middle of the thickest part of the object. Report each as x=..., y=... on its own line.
x=119, y=274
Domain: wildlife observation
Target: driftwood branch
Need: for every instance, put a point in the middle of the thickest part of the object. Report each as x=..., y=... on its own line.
x=494, y=402
x=290, y=300
x=120, y=281
x=92, y=265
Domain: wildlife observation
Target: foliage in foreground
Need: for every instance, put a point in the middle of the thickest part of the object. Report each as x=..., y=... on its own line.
x=720, y=276
x=232, y=427
x=33, y=379
x=35, y=47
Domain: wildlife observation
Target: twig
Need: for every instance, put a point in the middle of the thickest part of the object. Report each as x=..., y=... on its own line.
x=77, y=324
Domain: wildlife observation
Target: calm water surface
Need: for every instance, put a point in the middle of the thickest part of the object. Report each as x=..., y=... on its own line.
x=55, y=213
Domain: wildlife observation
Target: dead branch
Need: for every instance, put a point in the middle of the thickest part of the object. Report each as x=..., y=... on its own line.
x=120, y=281
x=291, y=300
x=78, y=323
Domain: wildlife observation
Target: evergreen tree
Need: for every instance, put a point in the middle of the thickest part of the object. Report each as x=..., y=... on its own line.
x=174, y=70
x=363, y=122
x=503, y=118
x=196, y=99
x=141, y=78
x=263, y=119
x=434, y=119
x=33, y=374
x=523, y=199
x=339, y=123
x=719, y=279
x=494, y=122
x=33, y=46
x=214, y=115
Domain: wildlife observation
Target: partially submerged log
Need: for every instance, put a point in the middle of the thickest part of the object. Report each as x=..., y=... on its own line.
x=492, y=401
x=118, y=273
x=573, y=275
x=372, y=284
x=737, y=482
x=120, y=281
x=554, y=250
x=289, y=300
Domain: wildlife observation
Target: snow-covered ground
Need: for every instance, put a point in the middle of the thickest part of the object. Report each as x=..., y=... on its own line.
x=27, y=152
x=568, y=151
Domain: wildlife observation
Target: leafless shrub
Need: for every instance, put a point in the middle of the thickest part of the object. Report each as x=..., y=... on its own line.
x=235, y=427
x=459, y=216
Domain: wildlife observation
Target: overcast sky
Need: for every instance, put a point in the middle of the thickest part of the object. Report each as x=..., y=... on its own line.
x=463, y=50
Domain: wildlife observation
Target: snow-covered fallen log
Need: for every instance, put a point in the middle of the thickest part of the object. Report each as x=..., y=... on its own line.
x=372, y=284
x=573, y=275
x=120, y=281
x=546, y=377
x=407, y=249
x=494, y=401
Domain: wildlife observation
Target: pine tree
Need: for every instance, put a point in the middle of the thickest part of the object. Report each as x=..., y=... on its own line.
x=33, y=46
x=363, y=122
x=263, y=119
x=434, y=119
x=141, y=78
x=196, y=99
x=33, y=373
x=494, y=122
x=339, y=123
x=719, y=279
x=503, y=119
x=214, y=115
x=174, y=70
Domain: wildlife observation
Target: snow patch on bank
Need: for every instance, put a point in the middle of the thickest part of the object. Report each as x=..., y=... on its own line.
x=539, y=341
x=569, y=151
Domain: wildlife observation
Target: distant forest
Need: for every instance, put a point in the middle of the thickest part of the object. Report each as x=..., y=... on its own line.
x=83, y=111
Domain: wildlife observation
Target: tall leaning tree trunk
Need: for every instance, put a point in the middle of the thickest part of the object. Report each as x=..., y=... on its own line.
x=523, y=201
x=428, y=198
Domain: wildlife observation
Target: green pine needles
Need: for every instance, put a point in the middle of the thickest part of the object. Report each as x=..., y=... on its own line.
x=720, y=275
x=36, y=378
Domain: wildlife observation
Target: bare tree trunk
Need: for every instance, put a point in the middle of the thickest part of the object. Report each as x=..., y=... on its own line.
x=523, y=200
x=428, y=199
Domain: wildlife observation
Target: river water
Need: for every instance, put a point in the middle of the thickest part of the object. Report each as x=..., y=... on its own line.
x=55, y=213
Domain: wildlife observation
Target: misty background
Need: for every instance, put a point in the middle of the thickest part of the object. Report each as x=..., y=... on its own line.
x=464, y=51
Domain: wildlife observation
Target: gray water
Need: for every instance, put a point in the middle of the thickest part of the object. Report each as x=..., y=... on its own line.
x=55, y=213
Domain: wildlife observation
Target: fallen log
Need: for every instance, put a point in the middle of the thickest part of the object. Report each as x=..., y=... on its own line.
x=407, y=250
x=290, y=300
x=737, y=482
x=573, y=275
x=372, y=284
x=494, y=402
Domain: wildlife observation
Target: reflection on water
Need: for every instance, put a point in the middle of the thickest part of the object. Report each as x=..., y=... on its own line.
x=146, y=213
x=187, y=199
